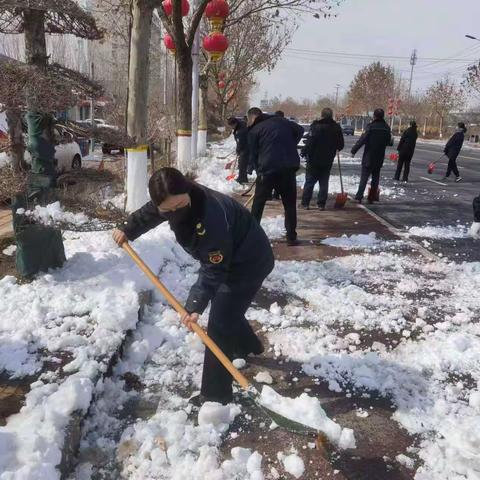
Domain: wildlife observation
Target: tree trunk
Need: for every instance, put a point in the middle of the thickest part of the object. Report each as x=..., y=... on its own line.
x=203, y=117
x=15, y=133
x=184, y=122
x=137, y=108
x=40, y=124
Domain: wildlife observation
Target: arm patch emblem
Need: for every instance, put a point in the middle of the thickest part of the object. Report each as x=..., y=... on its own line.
x=215, y=257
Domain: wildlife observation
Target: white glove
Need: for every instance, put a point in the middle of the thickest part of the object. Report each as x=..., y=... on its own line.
x=475, y=230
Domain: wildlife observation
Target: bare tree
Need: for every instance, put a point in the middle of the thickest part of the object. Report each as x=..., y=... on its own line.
x=444, y=96
x=472, y=79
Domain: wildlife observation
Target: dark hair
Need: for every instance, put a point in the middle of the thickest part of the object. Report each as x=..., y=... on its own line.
x=462, y=126
x=168, y=181
x=379, y=114
x=254, y=111
x=279, y=113
x=232, y=121
x=413, y=123
x=327, y=113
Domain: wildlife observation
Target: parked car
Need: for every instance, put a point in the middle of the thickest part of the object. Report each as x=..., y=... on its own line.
x=348, y=130
x=107, y=148
x=306, y=134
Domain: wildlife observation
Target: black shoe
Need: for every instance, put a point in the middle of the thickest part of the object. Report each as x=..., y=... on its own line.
x=305, y=207
x=241, y=181
x=252, y=345
x=292, y=242
x=321, y=207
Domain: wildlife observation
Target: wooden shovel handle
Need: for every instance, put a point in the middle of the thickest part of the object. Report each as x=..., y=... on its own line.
x=340, y=172
x=181, y=310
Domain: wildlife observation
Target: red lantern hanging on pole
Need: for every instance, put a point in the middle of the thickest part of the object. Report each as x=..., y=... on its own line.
x=216, y=12
x=168, y=7
x=169, y=42
x=215, y=44
x=221, y=84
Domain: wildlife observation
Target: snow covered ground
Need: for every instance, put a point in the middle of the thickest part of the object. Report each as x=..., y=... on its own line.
x=430, y=371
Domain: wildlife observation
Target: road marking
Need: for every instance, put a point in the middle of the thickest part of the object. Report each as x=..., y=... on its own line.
x=434, y=181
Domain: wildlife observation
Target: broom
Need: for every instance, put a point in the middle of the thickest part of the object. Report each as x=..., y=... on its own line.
x=341, y=198
x=431, y=165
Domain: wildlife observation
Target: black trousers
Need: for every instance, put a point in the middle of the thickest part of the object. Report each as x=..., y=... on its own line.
x=285, y=183
x=312, y=176
x=365, y=175
x=230, y=330
x=243, y=160
x=404, y=160
x=452, y=166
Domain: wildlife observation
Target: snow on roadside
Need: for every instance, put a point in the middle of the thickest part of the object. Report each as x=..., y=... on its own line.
x=52, y=214
x=359, y=241
x=81, y=311
x=438, y=338
x=440, y=232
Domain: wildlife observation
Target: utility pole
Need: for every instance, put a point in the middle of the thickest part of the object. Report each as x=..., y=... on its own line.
x=195, y=92
x=337, y=86
x=413, y=62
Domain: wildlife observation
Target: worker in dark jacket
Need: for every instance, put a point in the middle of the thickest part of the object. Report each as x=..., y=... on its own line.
x=273, y=143
x=376, y=138
x=406, y=149
x=452, y=150
x=235, y=257
x=240, y=133
x=325, y=140
x=475, y=230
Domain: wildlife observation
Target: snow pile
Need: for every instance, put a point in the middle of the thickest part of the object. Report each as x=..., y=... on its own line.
x=361, y=241
x=308, y=411
x=438, y=337
x=263, y=377
x=10, y=250
x=54, y=214
x=274, y=227
x=82, y=312
x=440, y=232
x=292, y=463
x=218, y=415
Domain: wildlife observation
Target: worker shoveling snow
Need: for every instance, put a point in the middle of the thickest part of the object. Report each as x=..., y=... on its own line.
x=308, y=411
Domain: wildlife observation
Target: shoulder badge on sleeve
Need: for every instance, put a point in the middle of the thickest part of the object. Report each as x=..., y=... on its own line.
x=215, y=257
x=200, y=229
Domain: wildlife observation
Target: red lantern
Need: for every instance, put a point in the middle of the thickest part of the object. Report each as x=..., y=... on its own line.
x=221, y=84
x=168, y=7
x=169, y=42
x=216, y=12
x=215, y=44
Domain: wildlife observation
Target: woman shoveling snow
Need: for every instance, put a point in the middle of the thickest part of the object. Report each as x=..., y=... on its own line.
x=235, y=258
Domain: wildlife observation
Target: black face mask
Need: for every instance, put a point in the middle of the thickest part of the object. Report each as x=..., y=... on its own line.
x=180, y=215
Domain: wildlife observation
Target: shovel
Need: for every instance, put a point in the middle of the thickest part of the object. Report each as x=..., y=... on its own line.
x=341, y=198
x=233, y=166
x=252, y=391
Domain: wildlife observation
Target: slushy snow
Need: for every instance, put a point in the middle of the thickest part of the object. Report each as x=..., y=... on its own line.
x=307, y=411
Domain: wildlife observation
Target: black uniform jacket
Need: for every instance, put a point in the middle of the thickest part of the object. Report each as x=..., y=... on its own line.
x=273, y=144
x=241, y=138
x=376, y=137
x=229, y=243
x=408, y=141
x=325, y=139
x=476, y=209
x=454, y=145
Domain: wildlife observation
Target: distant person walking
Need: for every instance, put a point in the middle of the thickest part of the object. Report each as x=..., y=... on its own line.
x=325, y=140
x=452, y=150
x=376, y=138
x=406, y=149
x=273, y=143
x=240, y=133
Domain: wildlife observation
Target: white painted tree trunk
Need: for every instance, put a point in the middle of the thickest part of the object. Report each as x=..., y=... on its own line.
x=137, y=178
x=184, y=151
x=202, y=142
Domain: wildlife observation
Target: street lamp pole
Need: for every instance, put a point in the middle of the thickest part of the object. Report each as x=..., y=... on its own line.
x=337, y=86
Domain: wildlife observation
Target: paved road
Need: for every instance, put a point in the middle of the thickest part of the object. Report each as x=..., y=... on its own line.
x=429, y=199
